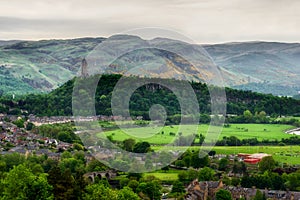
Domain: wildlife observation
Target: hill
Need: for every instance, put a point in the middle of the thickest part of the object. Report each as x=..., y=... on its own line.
x=272, y=66
x=41, y=66
x=59, y=101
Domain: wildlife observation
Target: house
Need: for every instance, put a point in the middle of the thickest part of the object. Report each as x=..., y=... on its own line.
x=203, y=190
x=207, y=190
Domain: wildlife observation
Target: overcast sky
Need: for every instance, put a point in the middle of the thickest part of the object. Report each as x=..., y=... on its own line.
x=205, y=21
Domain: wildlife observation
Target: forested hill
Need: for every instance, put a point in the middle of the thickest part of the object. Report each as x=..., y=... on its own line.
x=59, y=101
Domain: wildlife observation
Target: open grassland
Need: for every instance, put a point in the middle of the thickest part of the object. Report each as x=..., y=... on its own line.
x=153, y=135
x=158, y=136
x=282, y=154
x=170, y=175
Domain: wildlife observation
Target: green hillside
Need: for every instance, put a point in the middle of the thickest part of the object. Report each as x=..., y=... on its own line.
x=41, y=66
x=30, y=67
x=59, y=101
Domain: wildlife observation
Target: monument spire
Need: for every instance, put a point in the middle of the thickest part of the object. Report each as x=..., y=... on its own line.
x=84, y=68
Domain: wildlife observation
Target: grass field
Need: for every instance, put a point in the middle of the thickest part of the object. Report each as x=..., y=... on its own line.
x=282, y=154
x=153, y=134
x=170, y=175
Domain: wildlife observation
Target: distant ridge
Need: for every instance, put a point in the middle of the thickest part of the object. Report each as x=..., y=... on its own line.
x=41, y=66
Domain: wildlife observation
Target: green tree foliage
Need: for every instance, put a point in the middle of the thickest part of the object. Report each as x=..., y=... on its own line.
x=100, y=192
x=63, y=132
x=19, y=123
x=267, y=164
x=259, y=195
x=199, y=159
x=133, y=184
x=206, y=174
x=151, y=189
x=63, y=183
x=128, y=144
x=59, y=101
x=21, y=183
x=178, y=187
x=293, y=181
x=126, y=193
x=13, y=160
x=223, y=195
x=266, y=180
x=141, y=147
x=247, y=116
x=95, y=165
x=223, y=164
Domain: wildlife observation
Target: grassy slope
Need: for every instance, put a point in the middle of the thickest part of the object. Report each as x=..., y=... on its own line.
x=28, y=67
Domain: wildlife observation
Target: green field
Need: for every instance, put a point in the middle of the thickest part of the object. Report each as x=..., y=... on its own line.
x=282, y=154
x=170, y=175
x=242, y=131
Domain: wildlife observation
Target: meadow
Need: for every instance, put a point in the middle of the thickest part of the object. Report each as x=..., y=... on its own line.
x=282, y=154
x=153, y=135
x=159, y=136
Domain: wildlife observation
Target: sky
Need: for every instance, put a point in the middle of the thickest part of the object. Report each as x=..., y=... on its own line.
x=204, y=21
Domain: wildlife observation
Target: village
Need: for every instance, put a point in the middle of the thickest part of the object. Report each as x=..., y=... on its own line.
x=14, y=139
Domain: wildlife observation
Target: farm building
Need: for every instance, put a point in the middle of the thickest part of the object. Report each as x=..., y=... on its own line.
x=252, y=158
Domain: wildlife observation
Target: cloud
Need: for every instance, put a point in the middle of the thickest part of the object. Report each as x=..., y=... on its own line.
x=204, y=21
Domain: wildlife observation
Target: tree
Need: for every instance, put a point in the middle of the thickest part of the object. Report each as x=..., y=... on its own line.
x=126, y=193
x=178, y=187
x=206, y=174
x=19, y=123
x=201, y=139
x=259, y=195
x=293, y=181
x=141, y=147
x=21, y=183
x=267, y=164
x=63, y=183
x=12, y=160
x=223, y=195
x=247, y=116
x=65, y=137
x=223, y=164
x=71, y=164
x=29, y=126
x=100, y=192
x=199, y=159
x=128, y=144
x=150, y=189
x=262, y=116
x=95, y=165
x=133, y=184
x=78, y=147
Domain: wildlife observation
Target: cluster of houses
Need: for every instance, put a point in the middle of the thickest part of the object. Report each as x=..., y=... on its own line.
x=15, y=139
x=207, y=190
x=37, y=121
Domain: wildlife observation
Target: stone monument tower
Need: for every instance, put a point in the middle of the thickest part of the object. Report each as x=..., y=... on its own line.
x=84, y=68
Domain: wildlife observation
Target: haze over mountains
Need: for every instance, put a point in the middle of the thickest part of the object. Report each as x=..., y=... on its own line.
x=40, y=66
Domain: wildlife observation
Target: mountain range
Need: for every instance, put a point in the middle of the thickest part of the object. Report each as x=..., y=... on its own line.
x=41, y=66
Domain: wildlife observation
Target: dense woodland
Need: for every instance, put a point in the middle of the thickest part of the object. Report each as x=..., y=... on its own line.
x=59, y=101
x=40, y=177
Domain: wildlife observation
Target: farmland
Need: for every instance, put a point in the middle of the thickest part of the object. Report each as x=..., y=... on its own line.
x=155, y=135
x=282, y=154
